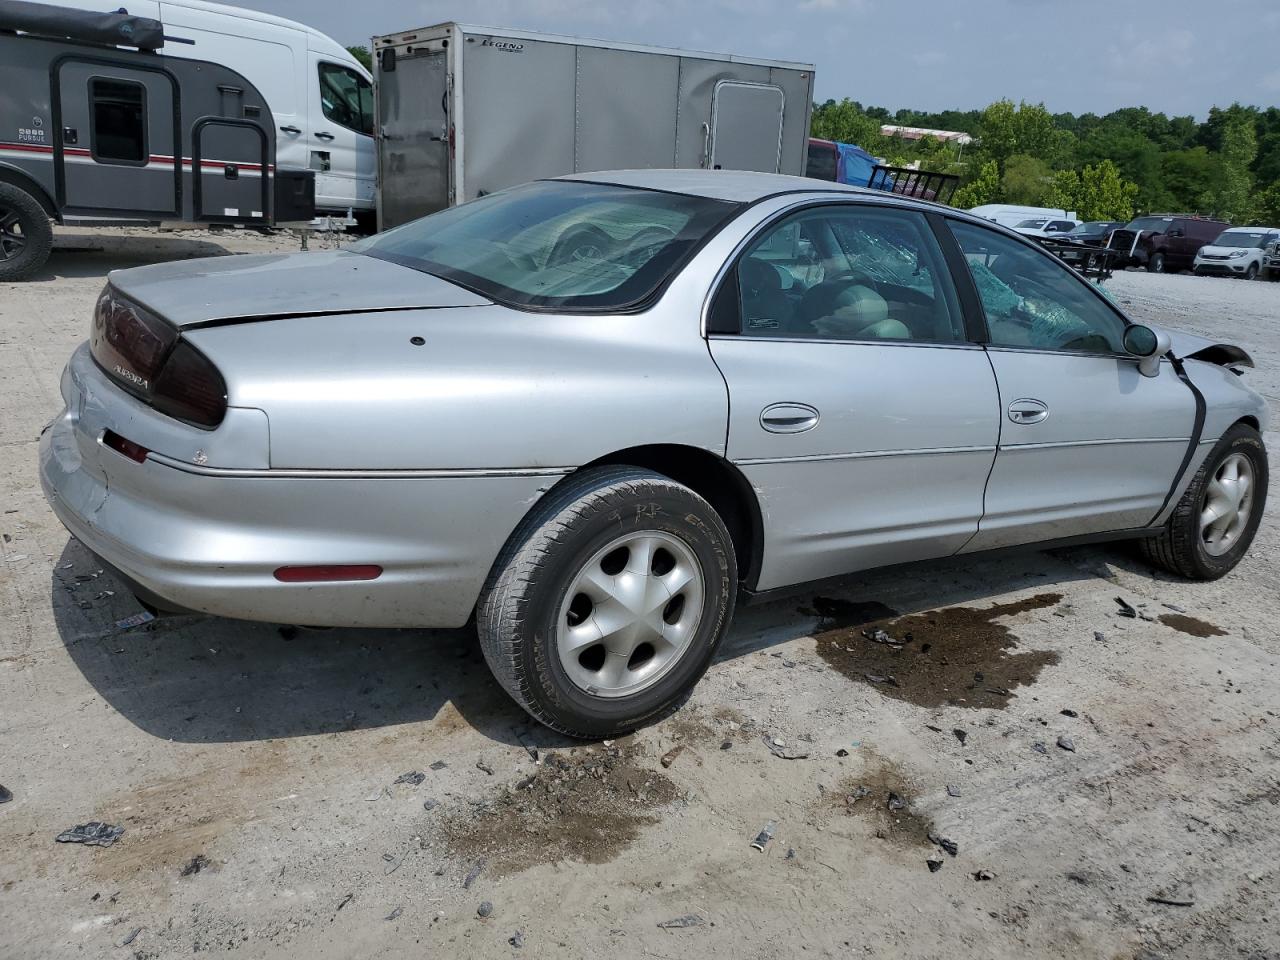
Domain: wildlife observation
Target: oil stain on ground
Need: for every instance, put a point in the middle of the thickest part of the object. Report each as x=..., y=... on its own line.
x=957, y=656
x=1191, y=625
x=586, y=804
x=881, y=796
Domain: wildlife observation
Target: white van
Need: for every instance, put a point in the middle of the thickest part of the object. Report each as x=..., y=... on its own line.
x=1011, y=215
x=320, y=96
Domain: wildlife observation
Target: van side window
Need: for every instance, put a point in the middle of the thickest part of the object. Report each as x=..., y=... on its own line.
x=119, y=112
x=346, y=98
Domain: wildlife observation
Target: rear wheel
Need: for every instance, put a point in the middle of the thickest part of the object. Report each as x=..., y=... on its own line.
x=609, y=602
x=26, y=237
x=1216, y=519
x=1155, y=264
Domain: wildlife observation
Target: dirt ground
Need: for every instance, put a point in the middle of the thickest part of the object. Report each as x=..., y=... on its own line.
x=1086, y=784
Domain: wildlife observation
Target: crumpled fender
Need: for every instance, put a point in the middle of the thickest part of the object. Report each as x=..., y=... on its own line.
x=1187, y=346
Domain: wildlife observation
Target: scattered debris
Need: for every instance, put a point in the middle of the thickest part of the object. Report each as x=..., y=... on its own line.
x=393, y=863
x=984, y=875
x=516, y=939
x=194, y=865
x=680, y=923
x=430, y=803
x=952, y=791
x=439, y=765
x=93, y=834
x=133, y=935
x=522, y=737
x=1039, y=747
x=484, y=910
x=1126, y=610
x=879, y=636
x=345, y=900
x=137, y=620
x=669, y=757
x=862, y=791
x=481, y=765
x=726, y=745
x=950, y=846
x=5, y=794
x=887, y=680
x=474, y=872
x=1066, y=743
x=961, y=735
x=394, y=914
x=1069, y=713
x=777, y=746
x=413, y=778
x=842, y=752
x=791, y=853
x=895, y=802
x=1099, y=636
x=1171, y=903
x=934, y=862
x=764, y=836
x=1174, y=607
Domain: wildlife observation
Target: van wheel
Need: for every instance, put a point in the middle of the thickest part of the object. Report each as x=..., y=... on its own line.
x=1156, y=263
x=1252, y=272
x=26, y=236
x=609, y=601
x=1215, y=521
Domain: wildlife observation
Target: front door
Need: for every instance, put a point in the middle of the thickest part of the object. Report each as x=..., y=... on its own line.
x=117, y=146
x=1087, y=443
x=746, y=126
x=860, y=412
x=342, y=153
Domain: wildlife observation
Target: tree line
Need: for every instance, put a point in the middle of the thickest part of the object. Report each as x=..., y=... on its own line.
x=1111, y=167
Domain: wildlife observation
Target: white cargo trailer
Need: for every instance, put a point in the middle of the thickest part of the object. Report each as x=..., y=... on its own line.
x=463, y=111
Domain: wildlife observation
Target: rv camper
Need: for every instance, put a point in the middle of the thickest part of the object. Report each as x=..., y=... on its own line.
x=97, y=126
x=462, y=111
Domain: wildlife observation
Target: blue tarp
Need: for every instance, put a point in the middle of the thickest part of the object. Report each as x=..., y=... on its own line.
x=855, y=165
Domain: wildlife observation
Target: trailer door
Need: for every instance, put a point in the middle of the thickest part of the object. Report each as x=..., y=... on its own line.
x=746, y=126
x=116, y=146
x=412, y=137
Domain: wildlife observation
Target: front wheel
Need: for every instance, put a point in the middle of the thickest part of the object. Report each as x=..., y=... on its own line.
x=1215, y=521
x=609, y=601
x=1252, y=272
x=26, y=236
x=1156, y=263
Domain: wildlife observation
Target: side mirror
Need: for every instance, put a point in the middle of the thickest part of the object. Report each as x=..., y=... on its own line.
x=1148, y=345
x=387, y=59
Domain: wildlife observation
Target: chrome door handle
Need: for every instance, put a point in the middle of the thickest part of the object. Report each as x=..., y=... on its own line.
x=324, y=136
x=789, y=417
x=1028, y=410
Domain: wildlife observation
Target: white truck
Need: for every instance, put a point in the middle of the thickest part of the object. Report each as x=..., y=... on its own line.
x=321, y=98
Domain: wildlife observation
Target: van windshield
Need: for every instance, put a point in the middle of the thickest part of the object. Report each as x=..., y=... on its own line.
x=1150, y=224
x=557, y=243
x=1249, y=239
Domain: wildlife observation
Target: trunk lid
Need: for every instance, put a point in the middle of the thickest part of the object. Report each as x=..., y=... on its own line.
x=217, y=290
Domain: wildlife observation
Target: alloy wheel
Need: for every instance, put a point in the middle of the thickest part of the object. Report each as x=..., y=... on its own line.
x=1227, y=506
x=630, y=614
x=12, y=240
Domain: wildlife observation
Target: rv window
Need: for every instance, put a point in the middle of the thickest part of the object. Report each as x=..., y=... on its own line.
x=346, y=97
x=119, y=132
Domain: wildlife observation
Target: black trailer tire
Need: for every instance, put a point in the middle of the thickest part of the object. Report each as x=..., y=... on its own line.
x=26, y=236
x=1155, y=263
x=527, y=607
x=1181, y=546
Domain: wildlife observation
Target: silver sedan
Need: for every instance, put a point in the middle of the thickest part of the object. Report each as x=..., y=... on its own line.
x=595, y=412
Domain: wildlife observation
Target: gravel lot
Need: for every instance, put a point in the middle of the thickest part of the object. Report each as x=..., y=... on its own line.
x=255, y=768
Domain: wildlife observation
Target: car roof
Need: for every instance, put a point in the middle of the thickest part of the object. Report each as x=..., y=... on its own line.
x=739, y=186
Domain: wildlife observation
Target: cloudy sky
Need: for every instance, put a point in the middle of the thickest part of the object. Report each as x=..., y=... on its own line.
x=1079, y=55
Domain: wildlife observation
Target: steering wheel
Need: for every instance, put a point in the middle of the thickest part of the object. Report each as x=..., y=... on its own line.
x=580, y=242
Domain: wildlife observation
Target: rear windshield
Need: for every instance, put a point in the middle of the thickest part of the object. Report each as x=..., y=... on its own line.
x=1242, y=238
x=557, y=243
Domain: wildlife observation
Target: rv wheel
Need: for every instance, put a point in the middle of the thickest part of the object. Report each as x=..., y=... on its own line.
x=26, y=236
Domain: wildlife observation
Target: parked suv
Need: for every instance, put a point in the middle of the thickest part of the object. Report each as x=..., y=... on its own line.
x=1238, y=252
x=1164, y=241
x=1273, y=261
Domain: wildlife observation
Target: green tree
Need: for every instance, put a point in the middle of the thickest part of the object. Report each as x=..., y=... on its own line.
x=984, y=188
x=1136, y=157
x=362, y=54
x=1006, y=130
x=1232, y=199
x=1188, y=176
x=1026, y=180
x=1266, y=207
x=846, y=122
x=1064, y=191
x=1104, y=194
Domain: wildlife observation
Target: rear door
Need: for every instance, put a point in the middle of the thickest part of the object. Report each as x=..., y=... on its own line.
x=341, y=134
x=746, y=126
x=860, y=411
x=413, y=134
x=1087, y=443
x=116, y=141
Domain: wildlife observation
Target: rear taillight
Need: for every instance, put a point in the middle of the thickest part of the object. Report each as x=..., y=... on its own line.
x=147, y=357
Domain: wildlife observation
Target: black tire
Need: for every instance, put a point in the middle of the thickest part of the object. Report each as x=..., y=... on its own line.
x=1252, y=272
x=1155, y=263
x=517, y=617
x=26, y=236
x=1179, y=547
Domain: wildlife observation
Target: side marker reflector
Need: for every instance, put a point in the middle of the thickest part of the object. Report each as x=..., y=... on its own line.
x=328, y=573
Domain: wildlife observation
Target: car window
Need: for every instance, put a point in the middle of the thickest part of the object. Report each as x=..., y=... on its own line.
x=557, y=243
x=848, y=273
x=346, y=98
x=1031, y=300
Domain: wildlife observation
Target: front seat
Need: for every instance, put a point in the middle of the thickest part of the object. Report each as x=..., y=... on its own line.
x=849, y=311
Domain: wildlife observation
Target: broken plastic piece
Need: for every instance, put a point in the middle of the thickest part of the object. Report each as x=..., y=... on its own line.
x=5, y=794
x=1066, y=743
x=669, y=757
x=764, y=836
x=413, y=778
x=679, y=923
x=1125, y=609
x=95, y=833
x=137, y=620
x=950, y=846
